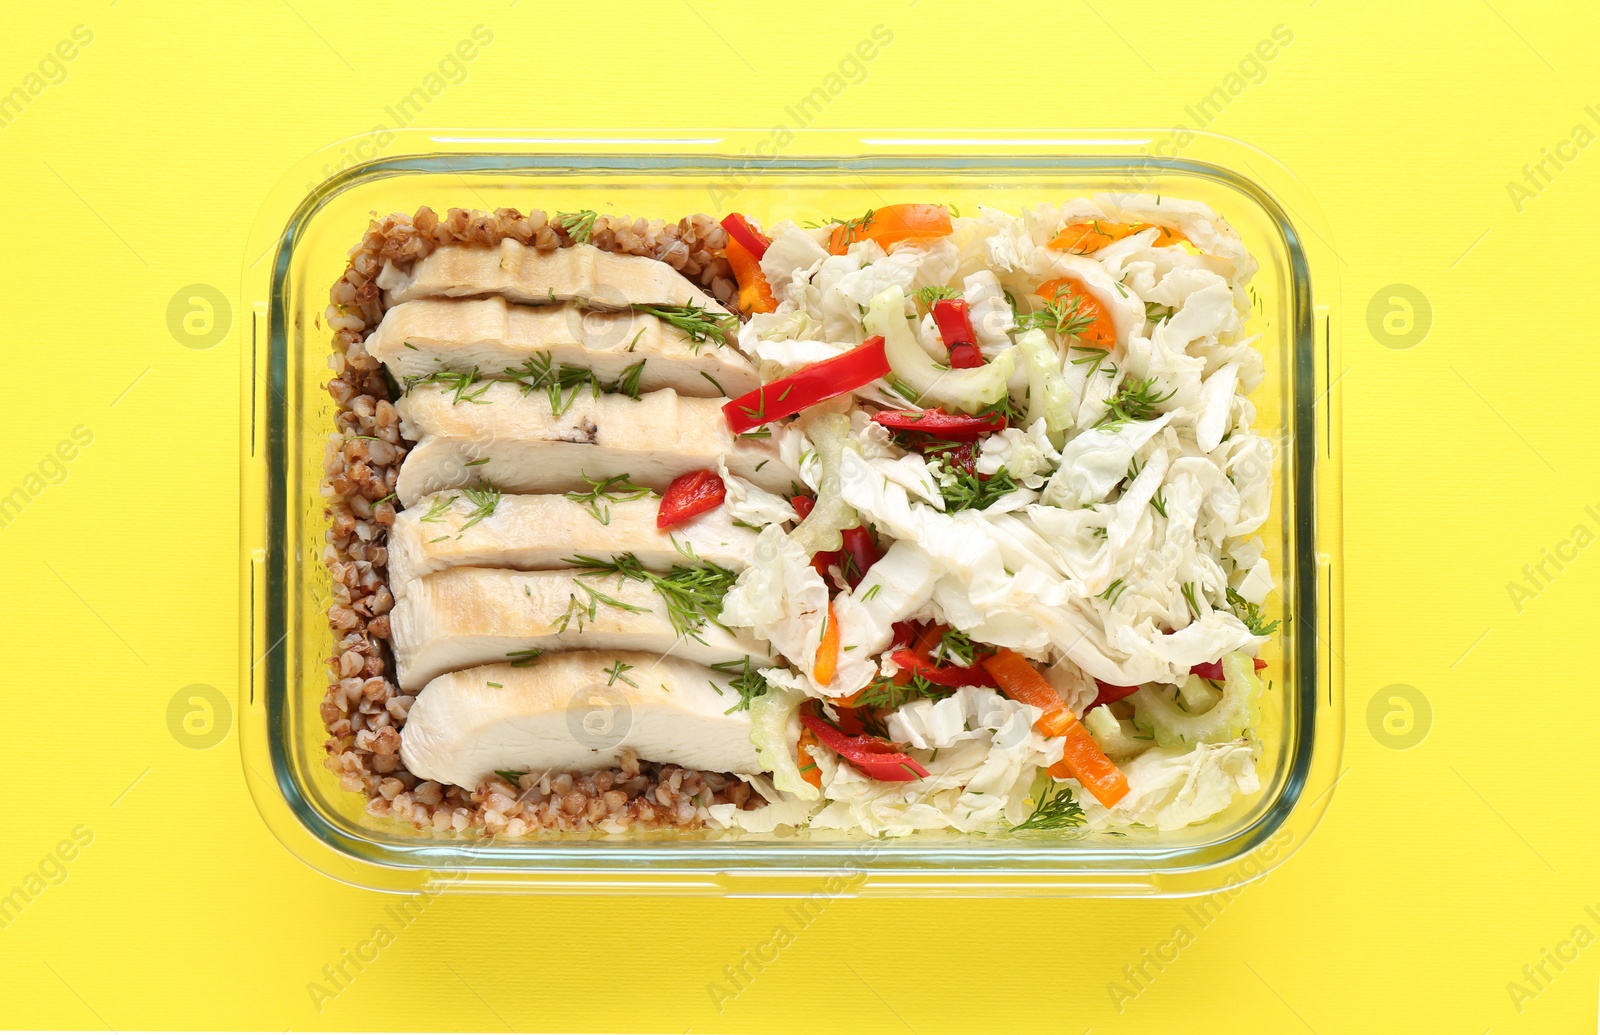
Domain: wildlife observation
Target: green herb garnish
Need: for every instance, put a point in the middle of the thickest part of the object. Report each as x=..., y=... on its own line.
x=615, y=489
x=484, y=499
x=578, y=225
x=1250, y=614
x=701, y=325
x=1059, y=811
x=745, y=681
x=1136, y=400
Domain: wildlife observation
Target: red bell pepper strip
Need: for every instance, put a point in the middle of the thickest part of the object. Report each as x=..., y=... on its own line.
x=954, y=319
x=690, y=495
x=878, y=758
x=935, y=423
x=787, y=396
x=1212, y=670
x=902, y=634
x=1109, y=693
x=755, y=242
x=944, y=675
x=859, y=554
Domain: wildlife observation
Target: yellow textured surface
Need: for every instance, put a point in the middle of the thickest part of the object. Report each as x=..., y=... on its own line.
x=1452, y=886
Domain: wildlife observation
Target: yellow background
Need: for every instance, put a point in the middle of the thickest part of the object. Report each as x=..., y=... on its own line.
x=1440, y=871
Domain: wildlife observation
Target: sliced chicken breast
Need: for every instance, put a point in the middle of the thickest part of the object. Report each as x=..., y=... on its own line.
x=492, y=336
x=517, y=443
x=582, y=273
x=463, y=617
x=575, y=712
x=537, y=533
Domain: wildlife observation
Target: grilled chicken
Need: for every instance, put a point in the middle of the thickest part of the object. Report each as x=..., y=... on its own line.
x=537, y=533
x=475, y=616
x=517, y=443
x=575, y=712
x=491, y=336
x=582, y=273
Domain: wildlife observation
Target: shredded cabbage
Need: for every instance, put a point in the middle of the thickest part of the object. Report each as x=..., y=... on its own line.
x=774, y=728
x=1049, y=396
x=821, y=529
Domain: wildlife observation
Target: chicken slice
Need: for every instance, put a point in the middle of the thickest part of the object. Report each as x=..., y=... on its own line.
x=518, y=443
x=492, y=336
x=536, y=533
x=474, y=616
x=581, y=272
x=575, y=712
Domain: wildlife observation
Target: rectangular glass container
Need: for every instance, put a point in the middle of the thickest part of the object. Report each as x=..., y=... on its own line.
x=299, y=248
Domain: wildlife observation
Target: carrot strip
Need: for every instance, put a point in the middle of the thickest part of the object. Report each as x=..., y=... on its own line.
x=828, y=650
x=1082, y=760
x=755, y=294
x=892, y=224
x=1084, y=238
x=1020, y=681
x=809, y=772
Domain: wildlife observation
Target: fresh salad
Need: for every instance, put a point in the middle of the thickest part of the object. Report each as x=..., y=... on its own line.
x=1017, y=583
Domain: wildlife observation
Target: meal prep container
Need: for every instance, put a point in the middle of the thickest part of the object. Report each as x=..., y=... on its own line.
x=299, y=248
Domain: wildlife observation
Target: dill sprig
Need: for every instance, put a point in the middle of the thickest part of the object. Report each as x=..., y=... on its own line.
x=968, y=490
x=484, y=499
x=1250, y=614
x=510, y=776
x=934, y=293
x=884, y=692
x=1188, y=592
x=1059, y=811
x=616, y=672
x=1155, y=312
x=744, y=680
x=578, y=225
x=576, y=609
x=852, y=227
x=956, y=647
x=560, y=384
x=524, y=658
x=700, y=324
x=1136, y=400
x=627, y=382
x=1112, y=592
x=615, y=489
x=1094, y=358
x=1159, y=501
x=459, y=382
x=693, y=593
x=1064, y=315
x=436, y=510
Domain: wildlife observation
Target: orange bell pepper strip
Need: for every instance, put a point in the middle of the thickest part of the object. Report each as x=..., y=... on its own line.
x=808, y=761
x=1084, y=238
x=1082, y=310
x=828, y=650
x=892, y=224
x=1020, y=681
x=1083, y=761
x=755, y=294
